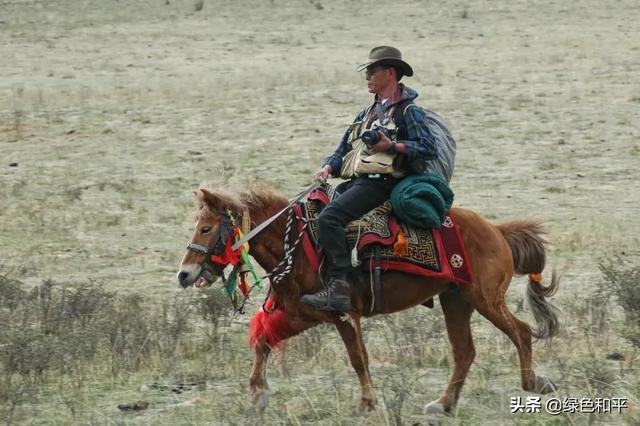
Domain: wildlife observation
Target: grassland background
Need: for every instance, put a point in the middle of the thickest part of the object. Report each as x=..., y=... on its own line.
x=112, y=112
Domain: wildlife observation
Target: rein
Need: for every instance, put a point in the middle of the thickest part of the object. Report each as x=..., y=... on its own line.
x=288, y=249
x=287, y=260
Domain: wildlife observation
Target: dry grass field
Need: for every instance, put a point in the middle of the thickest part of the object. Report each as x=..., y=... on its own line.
x=112, y=112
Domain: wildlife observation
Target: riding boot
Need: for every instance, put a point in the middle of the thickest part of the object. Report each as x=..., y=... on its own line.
x=335, y=296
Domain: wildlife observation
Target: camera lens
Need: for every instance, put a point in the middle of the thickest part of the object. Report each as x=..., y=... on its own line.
x=371, y=137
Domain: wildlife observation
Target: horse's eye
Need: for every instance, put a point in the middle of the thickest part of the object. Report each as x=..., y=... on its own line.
x=205, y=229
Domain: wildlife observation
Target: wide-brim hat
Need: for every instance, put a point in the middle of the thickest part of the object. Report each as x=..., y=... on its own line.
x=387, y=55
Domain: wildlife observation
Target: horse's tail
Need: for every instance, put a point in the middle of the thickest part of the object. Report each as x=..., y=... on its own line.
x=527, y=243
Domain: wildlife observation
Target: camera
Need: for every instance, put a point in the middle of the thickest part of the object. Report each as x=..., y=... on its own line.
x=373, y=136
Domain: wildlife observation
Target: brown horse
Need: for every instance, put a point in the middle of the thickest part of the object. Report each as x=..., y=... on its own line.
x=496, y=252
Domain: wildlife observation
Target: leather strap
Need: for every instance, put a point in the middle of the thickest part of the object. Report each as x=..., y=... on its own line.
x=377, y=286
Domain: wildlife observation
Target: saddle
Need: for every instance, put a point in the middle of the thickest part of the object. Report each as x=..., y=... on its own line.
x=384, y=243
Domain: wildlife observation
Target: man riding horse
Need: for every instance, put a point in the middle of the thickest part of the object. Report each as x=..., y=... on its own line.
x=387, y=141
x=410, y=141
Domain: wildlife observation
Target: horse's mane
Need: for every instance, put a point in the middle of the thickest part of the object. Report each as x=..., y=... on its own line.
x=258, y=197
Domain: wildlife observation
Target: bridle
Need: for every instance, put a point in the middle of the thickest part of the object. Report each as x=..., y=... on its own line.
x=222, y=250
x=216, y=248
x=220, y=253
x=217, y=244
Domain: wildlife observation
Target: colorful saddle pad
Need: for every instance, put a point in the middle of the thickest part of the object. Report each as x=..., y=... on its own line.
x=437, y=253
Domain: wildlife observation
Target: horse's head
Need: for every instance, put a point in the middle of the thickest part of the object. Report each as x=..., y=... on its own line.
x=213, y=227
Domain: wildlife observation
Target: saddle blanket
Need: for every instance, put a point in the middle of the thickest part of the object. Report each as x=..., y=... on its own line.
x=435, y=253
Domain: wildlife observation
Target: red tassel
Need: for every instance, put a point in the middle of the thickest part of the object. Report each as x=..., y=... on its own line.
x=271, y=327
x=256, y=329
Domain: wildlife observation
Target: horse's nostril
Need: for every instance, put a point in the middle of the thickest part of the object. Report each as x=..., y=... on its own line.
x=182, y=275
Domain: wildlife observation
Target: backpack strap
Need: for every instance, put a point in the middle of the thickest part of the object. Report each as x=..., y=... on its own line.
x=398, y=117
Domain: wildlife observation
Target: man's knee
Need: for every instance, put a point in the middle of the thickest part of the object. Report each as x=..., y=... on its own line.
x=331, y=217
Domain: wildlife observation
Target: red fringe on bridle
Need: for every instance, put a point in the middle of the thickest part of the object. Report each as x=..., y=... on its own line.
x=269, y=325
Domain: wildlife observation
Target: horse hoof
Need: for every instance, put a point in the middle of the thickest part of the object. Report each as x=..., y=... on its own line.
x=435, y=408
x=432, y=420
x=544, y=385
x=367, y=405
x=260, y=401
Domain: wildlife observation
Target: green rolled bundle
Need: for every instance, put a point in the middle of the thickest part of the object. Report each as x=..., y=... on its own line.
x=422, y=200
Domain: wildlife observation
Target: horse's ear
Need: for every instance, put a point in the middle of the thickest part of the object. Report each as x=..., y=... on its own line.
x=199, y=195
x=207, y=198
x=212, y=200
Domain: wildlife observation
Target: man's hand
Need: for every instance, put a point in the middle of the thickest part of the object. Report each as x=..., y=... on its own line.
x=383, y=145
x=323, y=174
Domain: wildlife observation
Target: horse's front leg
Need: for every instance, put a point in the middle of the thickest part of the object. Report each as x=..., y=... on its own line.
x=351, y=332
x=258, y=384
x=277, y=326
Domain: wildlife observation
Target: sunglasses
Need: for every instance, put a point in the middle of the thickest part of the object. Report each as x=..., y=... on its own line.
x=368, y=72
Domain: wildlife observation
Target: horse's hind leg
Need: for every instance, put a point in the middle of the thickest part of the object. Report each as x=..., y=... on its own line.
x=519, y=332
x=457, y=314
x=351, y=332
